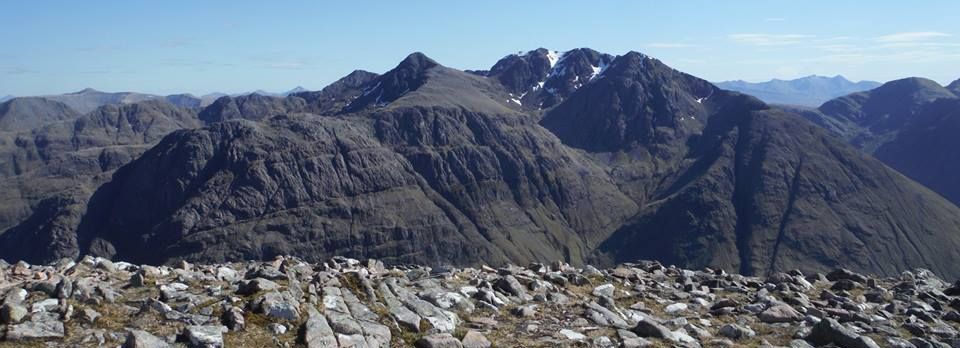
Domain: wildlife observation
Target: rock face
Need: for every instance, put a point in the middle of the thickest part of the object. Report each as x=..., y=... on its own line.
x=48, y=173
x=348, y=303
x=614, y=159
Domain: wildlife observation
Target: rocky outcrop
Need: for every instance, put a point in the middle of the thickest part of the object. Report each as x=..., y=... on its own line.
x=344, y=302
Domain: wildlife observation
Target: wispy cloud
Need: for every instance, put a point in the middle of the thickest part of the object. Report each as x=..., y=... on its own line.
x=17, y=70
x=913, y=36
x=288, y=64
x=101, y=48
x=769, y=39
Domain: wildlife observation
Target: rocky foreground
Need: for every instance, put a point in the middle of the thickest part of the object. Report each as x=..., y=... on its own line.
x=348, y=303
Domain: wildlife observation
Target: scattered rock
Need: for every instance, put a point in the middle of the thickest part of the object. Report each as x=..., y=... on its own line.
x=35, y=330
x=143, y=339
x=475, y=339
x=648, y=328
x=572, y=335
x=829, y=331
x=204, y=336
x=780, y=313
x=442, y=340
x=12, y=313
x=735, y=331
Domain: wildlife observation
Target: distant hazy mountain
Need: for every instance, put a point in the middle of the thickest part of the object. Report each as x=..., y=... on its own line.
x=807, y=91
x=5, y=98
x=89, y=99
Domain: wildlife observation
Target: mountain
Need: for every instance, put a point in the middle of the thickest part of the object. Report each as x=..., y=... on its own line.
x=430, y=164
x=295, y=90
x=208, y=99
x=5, y=98
x=89, y=99
x=877, y=115
x=806, y=91
x=20, y=114
x=908, y=124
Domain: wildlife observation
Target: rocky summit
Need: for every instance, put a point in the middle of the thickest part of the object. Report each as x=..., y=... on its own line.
x=343, y=302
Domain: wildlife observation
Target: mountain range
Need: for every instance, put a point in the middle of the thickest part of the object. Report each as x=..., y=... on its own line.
x=578, y=155
x=89, y=99
x=805, y=91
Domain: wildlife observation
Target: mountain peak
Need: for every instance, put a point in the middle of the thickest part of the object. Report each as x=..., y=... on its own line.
x=417, y=61
x=408, y=76
x=955, y=87
x=917, y=87
x=87, y=90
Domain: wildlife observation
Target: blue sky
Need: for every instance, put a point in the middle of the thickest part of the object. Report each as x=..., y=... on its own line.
x=234, y=46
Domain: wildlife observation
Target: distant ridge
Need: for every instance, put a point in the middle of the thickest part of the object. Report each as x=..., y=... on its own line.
x=812, y=90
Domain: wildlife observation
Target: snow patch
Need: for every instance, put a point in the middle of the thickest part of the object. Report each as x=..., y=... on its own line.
x=598, y=69
x=554, y=57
